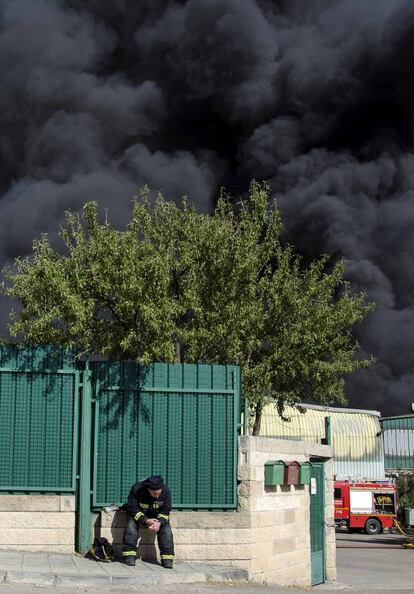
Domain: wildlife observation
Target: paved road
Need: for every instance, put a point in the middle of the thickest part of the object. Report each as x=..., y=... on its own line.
x=362, y=540
x=344, y=540
x=375, y=563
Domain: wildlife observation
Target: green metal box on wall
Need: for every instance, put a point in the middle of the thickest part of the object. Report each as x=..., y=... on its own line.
x=305, y=473
x=274, y=473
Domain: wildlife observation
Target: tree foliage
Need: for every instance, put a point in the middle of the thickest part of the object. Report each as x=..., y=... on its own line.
x=405, y=490
x=181, y=286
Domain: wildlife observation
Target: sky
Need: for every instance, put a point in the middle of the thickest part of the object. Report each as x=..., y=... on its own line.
x=99, y=97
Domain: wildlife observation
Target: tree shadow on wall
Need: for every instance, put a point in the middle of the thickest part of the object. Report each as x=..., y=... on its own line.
x=117, y=387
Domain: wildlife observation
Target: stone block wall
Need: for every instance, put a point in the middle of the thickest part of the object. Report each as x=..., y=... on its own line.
x=216, y=537
x=37, y=523
x=269, y=534
x=280, y=514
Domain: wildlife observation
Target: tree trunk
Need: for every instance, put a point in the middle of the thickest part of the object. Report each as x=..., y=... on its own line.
x=178, y=351
x=257, y=418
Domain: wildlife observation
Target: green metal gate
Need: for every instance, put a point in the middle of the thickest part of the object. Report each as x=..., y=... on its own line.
x=96, y=428
x=180, y=421
x=317, y=522
x=39, y=403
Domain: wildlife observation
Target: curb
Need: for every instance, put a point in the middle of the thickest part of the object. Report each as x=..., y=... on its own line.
x=49, y=579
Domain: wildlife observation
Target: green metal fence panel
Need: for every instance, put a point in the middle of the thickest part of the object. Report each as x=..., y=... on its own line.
x=180, y=421
x=47, y=359
x=398, y=435
x=38, y=412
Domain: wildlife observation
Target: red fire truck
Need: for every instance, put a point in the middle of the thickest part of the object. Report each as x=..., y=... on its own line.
x=362, y=505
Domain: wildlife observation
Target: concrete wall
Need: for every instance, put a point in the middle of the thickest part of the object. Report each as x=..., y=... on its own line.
x=37, y=523
x=268, y=535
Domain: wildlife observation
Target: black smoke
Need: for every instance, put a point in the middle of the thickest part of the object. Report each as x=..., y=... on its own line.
x=99, y=97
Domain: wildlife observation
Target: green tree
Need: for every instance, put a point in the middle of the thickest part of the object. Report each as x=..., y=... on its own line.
x=288, y=327
x=181, y=286
x=405, y=490
x=109, y=292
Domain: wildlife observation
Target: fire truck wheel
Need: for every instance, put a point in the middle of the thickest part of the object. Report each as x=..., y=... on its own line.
x=372, y=526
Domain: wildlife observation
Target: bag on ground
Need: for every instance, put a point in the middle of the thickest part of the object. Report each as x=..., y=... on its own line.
x=102, y=550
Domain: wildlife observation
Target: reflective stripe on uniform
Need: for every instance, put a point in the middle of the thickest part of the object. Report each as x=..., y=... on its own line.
x=138, y=516
x=129, y=553
x=164, y=517
x=143, y=505
x=167, y=556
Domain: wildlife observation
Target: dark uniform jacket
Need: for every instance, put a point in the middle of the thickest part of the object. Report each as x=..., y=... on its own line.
x=141, y=506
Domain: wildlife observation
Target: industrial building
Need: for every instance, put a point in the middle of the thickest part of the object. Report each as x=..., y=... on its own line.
x=356, y=436
x=398, y=433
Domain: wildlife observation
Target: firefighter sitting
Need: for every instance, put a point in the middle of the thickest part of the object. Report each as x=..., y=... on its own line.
x=149, y=506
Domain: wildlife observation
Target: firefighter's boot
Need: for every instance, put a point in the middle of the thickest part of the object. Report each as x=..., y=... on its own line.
x=130, y=561
x=166, y=545
x=167, y=563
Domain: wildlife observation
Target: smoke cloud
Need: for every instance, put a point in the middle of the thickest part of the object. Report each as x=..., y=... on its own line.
x=99, y=97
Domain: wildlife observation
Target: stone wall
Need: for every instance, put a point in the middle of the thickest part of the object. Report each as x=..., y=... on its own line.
x=280, y=514
x=268, y=535
x=37, y=523
x=217, y=537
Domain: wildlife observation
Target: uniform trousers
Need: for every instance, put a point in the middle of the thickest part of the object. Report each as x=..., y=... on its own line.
x=164, y=538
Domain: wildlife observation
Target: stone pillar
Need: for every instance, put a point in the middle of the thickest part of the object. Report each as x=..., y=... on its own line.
x=279, y=514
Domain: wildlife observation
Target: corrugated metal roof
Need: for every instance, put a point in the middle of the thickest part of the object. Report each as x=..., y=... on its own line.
x=356, y=436
x=398, y=442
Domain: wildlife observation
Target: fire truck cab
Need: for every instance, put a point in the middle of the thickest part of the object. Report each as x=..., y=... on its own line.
x=363, y=505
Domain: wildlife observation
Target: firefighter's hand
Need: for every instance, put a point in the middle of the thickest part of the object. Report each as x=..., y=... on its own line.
x=153, y=524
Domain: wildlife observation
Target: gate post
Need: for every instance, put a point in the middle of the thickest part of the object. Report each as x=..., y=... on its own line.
x=83, y=503
x=328, y=431
x=317, y=523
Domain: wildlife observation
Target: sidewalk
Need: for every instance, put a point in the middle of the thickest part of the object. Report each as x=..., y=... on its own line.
x=45, y=569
